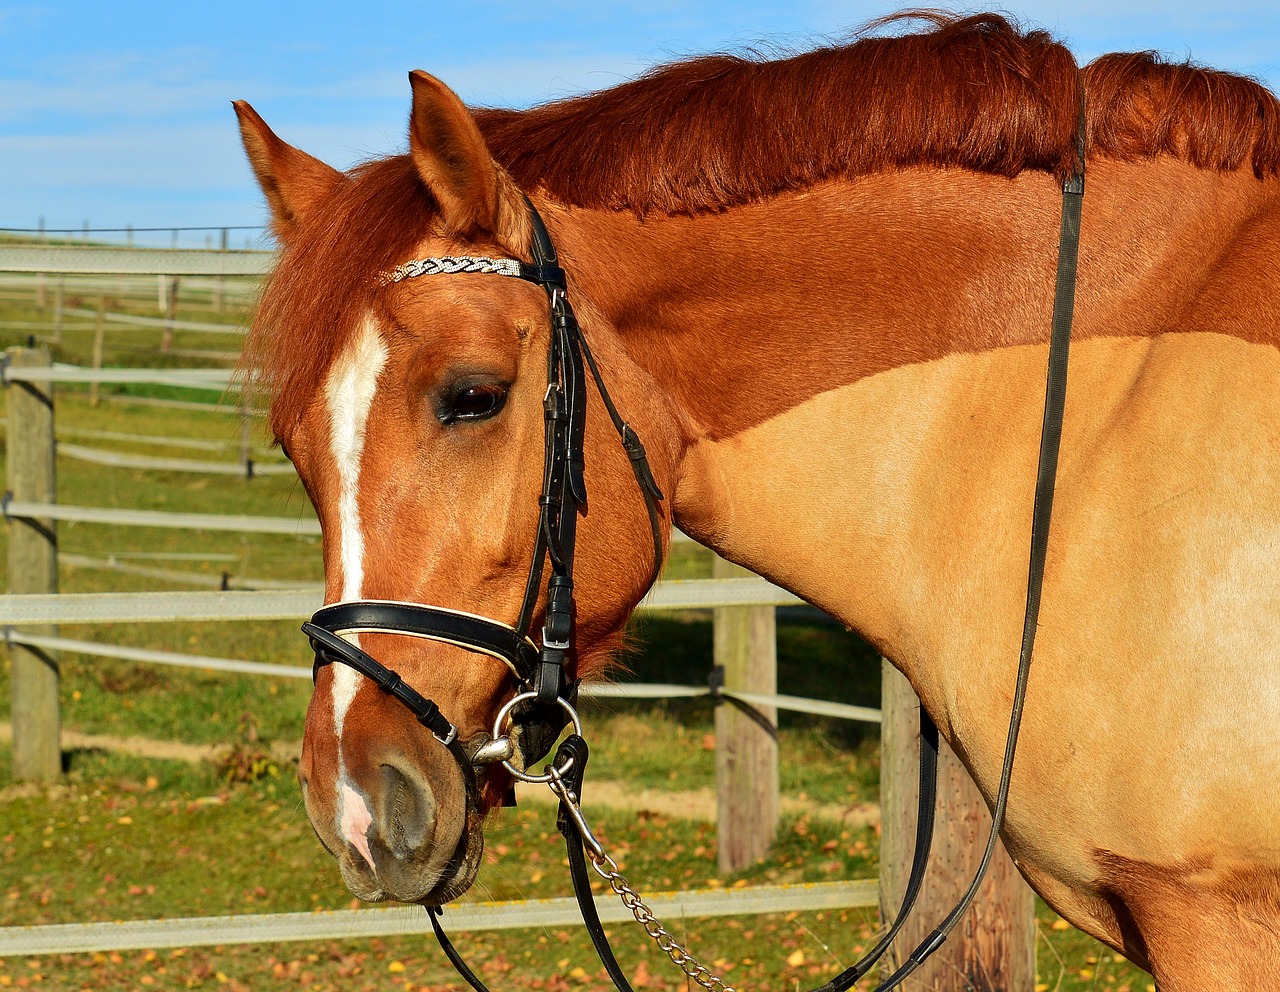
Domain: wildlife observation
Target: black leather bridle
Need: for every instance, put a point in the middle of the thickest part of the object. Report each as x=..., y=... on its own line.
x=540, y=670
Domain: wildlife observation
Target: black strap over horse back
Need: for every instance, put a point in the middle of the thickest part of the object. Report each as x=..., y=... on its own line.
x=575, y=748
x=1041, y=517
x=926, y=806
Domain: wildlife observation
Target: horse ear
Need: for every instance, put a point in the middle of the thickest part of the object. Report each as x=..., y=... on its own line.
x=454, y=163
x=291, y=180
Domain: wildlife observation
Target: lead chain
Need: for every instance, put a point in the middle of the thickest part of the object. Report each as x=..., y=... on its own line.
x=607, y=869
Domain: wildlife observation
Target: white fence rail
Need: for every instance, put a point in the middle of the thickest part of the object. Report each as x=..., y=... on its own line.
x=132, y=320
x=91, y=260
x=15, y=509
x=209, y=931
x=619, y=690
x=249, y=468
x=190, y=378
x=169, y=607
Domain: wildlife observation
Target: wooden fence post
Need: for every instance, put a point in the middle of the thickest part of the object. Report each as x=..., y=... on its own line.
x=33, y=567
x=993, y=947
x=171, y=313
x=220, y=282
x=98, y=330
x=57, y=311
x=746, y=657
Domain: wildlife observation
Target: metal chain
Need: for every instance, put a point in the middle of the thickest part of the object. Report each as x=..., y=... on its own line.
x=607, y=869
x=450, y=264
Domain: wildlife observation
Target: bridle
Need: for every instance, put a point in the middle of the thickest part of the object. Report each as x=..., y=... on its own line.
x=544, y=698
x=539, y=671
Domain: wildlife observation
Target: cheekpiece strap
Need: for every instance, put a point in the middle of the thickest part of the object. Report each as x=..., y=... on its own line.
x=563, y=495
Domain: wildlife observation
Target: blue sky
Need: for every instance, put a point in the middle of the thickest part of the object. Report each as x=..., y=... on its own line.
x=119, y=113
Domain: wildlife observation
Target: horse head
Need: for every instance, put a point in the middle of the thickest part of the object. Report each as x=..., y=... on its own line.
x=416, y=413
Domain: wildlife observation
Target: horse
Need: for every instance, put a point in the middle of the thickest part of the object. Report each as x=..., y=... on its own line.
x=819, y=288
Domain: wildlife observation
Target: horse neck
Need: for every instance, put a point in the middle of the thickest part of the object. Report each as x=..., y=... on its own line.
x=859, y=370
x=774, y=329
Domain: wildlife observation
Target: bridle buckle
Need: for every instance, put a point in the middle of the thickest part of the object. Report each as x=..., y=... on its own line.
x=554, y=645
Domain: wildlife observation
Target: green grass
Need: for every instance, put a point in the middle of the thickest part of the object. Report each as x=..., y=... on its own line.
x=124, y=838
x=129, y=839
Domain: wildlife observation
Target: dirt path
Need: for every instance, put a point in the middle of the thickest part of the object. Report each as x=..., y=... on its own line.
x=689, y=804
x=697, y=804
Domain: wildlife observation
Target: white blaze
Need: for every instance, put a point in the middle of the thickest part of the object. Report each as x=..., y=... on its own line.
x=349, y=392
x=354, y=819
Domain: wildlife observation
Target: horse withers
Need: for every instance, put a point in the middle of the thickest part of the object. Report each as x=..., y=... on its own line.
x=819, y=289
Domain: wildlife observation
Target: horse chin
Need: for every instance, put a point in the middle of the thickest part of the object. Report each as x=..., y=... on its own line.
x=427, y=887
x=468, y=866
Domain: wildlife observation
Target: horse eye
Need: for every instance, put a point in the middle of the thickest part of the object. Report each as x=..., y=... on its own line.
x=476, y=402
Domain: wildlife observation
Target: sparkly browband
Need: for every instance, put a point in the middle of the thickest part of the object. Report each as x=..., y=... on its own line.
x=447, y=265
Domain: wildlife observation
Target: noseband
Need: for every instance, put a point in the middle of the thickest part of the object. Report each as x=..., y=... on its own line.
x=545, y=693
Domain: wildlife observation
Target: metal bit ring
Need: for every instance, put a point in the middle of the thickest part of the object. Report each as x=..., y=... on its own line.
x=505, y=713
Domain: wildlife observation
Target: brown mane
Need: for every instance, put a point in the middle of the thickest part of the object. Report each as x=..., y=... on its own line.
x=715, y=132
x=974, y=92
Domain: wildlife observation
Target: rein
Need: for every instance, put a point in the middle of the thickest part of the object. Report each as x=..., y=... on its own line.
x=539, y=670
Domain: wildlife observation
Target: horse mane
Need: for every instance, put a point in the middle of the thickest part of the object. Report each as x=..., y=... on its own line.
x=712, y=133
x=974, y=92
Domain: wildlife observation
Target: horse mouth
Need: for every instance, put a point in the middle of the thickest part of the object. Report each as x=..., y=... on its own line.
x=414, y=880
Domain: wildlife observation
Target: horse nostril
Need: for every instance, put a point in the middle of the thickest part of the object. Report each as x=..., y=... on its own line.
x=406, y=811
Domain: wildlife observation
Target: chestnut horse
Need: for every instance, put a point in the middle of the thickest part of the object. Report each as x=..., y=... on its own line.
x=820, y=289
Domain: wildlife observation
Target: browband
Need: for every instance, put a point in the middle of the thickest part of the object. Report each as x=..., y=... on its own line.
x=545, y=274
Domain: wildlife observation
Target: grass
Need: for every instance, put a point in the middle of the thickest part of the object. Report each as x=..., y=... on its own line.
x=129, y=839
x=126, y=838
